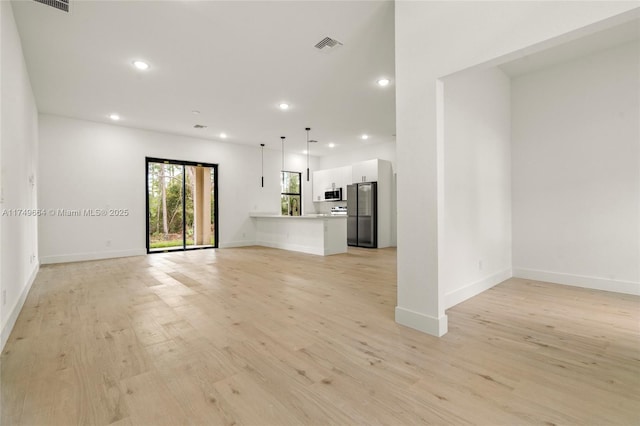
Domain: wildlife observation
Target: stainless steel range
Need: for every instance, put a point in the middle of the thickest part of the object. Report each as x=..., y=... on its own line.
x=339, y=211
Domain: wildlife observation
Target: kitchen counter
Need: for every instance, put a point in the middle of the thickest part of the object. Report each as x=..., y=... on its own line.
x=314, y=233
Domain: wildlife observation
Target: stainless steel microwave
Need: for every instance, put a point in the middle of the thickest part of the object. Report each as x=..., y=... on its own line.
x=333, y=194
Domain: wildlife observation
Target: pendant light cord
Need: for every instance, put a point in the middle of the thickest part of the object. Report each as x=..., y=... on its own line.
x=282, y=172
x=307, y=129
x=282, y=137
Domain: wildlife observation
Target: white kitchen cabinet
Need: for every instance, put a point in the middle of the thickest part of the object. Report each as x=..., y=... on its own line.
x=342, y=178
x=324, y=180
x=321, y=235
x=386, y=210
x=320, y=184
x=365, y=171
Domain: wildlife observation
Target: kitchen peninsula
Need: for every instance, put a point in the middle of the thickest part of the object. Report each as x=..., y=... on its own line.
x=314, y=234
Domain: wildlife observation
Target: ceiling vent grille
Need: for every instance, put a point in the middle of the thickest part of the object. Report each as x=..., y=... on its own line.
x=328, y=43
x=199, y=126
x=58, y=4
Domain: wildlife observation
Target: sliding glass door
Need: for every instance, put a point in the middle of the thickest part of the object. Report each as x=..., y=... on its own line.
x=181, y=205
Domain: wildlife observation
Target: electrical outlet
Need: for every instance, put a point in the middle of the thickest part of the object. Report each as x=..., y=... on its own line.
x=4, y=297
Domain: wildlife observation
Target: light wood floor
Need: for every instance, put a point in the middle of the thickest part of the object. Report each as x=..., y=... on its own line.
x=257, y=336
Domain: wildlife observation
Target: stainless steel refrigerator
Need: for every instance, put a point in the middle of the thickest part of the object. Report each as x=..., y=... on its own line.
x=362, y=209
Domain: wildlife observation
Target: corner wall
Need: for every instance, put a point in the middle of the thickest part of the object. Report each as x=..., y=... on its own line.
x=88, y=165
x=576, y=172
x=19, y=179
x=475, y=227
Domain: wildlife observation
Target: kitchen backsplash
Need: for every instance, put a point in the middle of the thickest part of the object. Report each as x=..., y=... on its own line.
x=324, y=207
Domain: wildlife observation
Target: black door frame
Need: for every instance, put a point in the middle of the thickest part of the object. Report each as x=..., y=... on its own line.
x=184, y=200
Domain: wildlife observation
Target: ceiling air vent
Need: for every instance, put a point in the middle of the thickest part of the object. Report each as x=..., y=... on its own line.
x=199, y=126
x=58, y=4
x=327, y=44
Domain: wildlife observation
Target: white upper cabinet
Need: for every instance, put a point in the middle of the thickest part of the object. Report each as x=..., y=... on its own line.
x=320, y=184
x=342, y=177
x=365, y=171
x=324, y=180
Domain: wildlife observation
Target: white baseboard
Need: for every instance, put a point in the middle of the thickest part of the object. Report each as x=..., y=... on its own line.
x=421, y=322
x=79, y=257
x=16, y=308
x=475, y=288
x=595, y=283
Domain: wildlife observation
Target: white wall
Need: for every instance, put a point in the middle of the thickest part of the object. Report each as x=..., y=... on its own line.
x=93, y=165
x=18, y=154
x=475, y=230
x=576, y=172
x=435, y=39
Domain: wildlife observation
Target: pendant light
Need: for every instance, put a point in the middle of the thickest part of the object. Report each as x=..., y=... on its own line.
x=307, y=129
x=282, y=171
x=282, y=137
x=262, y=162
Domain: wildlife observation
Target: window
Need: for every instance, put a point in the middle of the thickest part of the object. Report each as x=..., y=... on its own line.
x=290, y=195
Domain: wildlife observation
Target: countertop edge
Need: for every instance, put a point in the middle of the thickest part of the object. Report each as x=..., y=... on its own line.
x=307, y=217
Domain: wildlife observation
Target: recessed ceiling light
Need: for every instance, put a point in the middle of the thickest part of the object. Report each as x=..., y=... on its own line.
x=365, y=137
x=331, y=145
x=284, y=106
x=141, y=65
x=383, y=82
x=223, y=135
x=114, y=117
x=195, y=111
x=305, y=151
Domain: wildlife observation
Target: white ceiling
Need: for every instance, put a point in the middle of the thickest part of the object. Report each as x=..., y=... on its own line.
x=234, y=61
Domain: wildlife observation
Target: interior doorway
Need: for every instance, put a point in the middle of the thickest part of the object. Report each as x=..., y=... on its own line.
x=182, y=205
